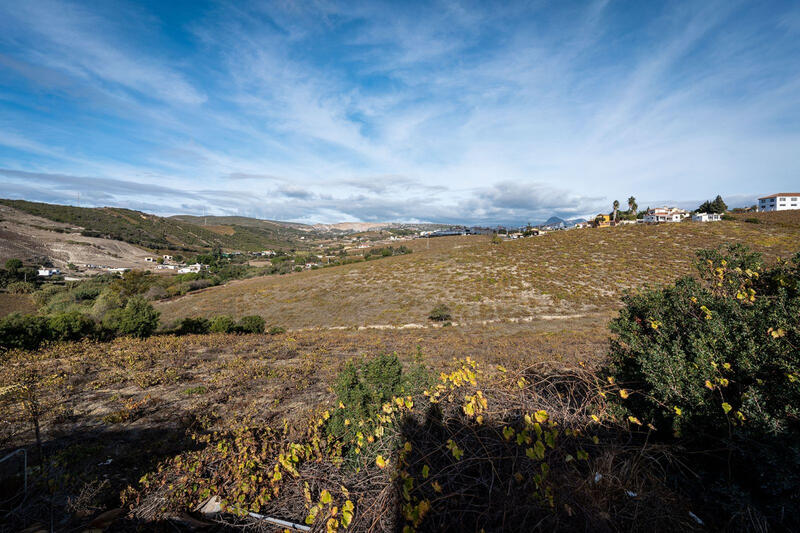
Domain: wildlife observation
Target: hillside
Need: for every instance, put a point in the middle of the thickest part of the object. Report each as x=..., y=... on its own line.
x=154, y=232
x=572, y=275
x=36, y=240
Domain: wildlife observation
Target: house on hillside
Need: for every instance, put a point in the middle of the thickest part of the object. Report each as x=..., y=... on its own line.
x=601, y=221
x=706, y=217
x=782, y=201
x=47, y=272
x=665, y=214
x=167, y=257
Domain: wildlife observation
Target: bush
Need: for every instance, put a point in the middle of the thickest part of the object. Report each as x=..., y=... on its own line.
x=70, y=326
x=223, y=324
x=22, y=331
x=192, y=325
x=21, y=287
x=251, y=324
x=440, y=313
x=363, y=390
x=752, y=220
x=137, y=318
x=716, y=361
x=276, y=330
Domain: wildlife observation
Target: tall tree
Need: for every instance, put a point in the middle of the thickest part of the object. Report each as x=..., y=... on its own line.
x=632, y=205
x=616, y=208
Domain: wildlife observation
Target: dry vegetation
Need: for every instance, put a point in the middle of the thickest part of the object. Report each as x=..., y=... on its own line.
x=114, y=411
x=579, y=272
x=16, y=303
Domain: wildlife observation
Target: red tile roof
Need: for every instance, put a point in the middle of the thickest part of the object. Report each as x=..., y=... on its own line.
x=780, y=194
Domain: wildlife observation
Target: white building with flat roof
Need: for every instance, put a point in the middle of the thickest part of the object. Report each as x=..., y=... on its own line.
x=706, y=217
x=781, y=201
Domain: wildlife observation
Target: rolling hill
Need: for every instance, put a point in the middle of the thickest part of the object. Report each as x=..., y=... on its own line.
x=159, y=233
x=560, y=276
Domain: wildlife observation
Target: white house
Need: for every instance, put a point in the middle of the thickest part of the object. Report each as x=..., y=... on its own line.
x=706, y=217
x=665, y=214
x=197, y=267
x=781, y=201
x=47, y=272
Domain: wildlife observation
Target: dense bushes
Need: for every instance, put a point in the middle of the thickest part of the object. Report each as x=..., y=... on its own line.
x=223, y=324
x=716, y=362
x=251, y=324
x=137, y=318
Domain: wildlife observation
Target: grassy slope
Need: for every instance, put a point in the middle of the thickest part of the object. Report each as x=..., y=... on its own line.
x=161, y=233
x=560, y=274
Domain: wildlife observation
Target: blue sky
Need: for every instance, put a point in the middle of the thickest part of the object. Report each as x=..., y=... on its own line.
x=456, y=112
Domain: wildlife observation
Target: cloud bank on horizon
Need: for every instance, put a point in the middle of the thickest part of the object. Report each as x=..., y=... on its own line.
x=398, y=111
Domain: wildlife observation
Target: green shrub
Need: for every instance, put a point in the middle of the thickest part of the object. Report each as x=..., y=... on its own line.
x=363, y=390
x=752, y=220
x=70, y=326
x=22, y=331
x=21, y=287
x=251, y=324
x=223, y=324
x=716, y=362
x=276, y=330
x=440, y=313
x=137, y=318
x=192, y=325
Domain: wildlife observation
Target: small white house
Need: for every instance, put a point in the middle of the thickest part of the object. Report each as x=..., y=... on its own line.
x=706, y=217
x=781, y=201
x=47, y=272
x=150, y=259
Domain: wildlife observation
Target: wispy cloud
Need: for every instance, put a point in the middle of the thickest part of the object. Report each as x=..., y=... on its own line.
x=380, y=110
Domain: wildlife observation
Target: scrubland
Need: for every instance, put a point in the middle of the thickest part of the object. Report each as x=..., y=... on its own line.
x=512, y=420
x=578, y=272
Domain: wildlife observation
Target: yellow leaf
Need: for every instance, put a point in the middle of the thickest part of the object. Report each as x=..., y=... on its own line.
x=380, y=461
x=325, y=497
x=678, y=411
x=726, y=407
x=425, y=472
x=501, y=368
x=635, y=420
x=709, y=385
x=436, y=486
x=595, y=418
x=540, y=416
x=624, y=394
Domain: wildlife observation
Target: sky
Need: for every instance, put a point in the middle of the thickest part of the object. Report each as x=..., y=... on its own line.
x=477, y=113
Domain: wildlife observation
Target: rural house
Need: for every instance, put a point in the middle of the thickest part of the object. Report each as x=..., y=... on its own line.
x=706, y=217
x=781, y=201
x=665, y=214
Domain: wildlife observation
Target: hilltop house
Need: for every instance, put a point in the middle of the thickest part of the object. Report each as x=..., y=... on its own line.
x=665, y=214
x=601, y=220
x=781, y=201
x=706, y=217
x=47, y=272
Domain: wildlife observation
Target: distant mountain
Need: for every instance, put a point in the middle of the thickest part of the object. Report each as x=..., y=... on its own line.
x=556, y=221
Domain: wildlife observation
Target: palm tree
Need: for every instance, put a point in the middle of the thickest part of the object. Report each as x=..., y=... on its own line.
x=632, y=205
x=616, y=208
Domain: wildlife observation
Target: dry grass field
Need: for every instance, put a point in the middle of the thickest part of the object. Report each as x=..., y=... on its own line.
x=16, y=303
x=556, y=276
